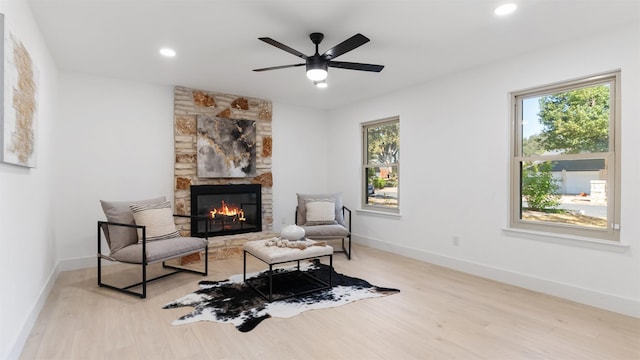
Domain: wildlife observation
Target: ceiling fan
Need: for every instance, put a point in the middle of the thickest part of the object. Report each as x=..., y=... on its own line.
x=317, y=64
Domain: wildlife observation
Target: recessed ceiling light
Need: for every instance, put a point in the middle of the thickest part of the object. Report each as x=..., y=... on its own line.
x=166, y=52
x=505, y=9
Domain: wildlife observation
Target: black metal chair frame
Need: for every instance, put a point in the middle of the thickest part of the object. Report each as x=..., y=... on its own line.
x=103, y=224
x=346, y=250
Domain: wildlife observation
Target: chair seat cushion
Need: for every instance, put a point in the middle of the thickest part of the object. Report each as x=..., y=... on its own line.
x=160, y=250
x=323, y=232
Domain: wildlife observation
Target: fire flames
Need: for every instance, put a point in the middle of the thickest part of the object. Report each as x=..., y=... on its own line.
x=235, y=212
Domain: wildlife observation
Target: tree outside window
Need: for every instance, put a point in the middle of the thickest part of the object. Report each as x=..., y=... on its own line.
x=564, y=165
x=381, y=140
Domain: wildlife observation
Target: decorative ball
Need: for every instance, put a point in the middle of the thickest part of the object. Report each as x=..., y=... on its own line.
x=292, y=232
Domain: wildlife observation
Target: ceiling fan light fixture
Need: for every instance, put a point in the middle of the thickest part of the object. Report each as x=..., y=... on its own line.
x=505, y=9
x=316, y=68
x=317, y=74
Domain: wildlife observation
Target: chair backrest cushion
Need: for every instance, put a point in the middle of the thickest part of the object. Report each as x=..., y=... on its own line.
x=119, y=237
x=304, y=199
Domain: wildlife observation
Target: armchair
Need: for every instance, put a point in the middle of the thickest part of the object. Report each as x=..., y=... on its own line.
x=143, y=233
x=323, y=217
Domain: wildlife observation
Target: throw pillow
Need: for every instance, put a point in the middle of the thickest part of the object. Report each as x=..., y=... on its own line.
x=303, y=199
x=119, y=237
x=158, y=219
x=321, y=213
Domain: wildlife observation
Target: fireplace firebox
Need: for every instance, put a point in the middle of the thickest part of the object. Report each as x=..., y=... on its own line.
x=231, y=209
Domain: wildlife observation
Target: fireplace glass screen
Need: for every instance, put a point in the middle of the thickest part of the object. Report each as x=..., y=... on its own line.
x=230, y=209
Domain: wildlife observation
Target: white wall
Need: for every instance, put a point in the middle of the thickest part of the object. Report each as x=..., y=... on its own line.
x=454, y=175
x=114, y=142
x=28, y=255
x=301, y=162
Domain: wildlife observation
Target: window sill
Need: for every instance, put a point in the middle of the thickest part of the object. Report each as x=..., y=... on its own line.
x=570, y=240
x=378, y=213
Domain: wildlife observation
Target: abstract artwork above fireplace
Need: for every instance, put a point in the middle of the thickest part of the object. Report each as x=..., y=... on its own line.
x=226, y=148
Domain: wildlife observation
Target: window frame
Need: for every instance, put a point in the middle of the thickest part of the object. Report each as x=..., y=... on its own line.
x=365, y=165
x=611, y=157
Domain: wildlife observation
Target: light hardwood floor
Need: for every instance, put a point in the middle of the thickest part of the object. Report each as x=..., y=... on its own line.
x=439, y=314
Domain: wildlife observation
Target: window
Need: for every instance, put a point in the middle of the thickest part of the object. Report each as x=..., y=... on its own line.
x=565, y=160
x=381, y=159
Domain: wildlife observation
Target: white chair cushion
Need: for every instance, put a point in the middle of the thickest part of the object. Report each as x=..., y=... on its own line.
x=321, y=213
x=161, y=250
x=303, y=199
x=325, y=232
x=119, y=237
x=158, y=219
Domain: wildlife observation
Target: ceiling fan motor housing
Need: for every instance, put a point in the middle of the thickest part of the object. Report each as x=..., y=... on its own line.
x=316, y=62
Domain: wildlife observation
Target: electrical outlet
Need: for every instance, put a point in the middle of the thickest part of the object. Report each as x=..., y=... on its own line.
x=456, y=241
x=284, y=221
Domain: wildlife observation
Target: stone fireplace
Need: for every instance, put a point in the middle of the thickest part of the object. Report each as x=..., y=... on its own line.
x=189, y=104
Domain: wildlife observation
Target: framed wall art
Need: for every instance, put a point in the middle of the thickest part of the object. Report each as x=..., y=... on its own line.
x=19, y=100
x=226, y=148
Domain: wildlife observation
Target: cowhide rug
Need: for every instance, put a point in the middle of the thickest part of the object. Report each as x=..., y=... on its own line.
x=232, y=301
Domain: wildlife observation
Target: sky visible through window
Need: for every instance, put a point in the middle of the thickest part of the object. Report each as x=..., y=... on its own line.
x=530, y=120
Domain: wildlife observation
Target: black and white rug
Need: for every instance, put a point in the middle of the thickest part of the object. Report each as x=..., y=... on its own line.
x=232, y=301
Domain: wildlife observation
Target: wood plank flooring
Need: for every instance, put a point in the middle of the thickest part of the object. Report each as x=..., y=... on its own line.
x=439, y=314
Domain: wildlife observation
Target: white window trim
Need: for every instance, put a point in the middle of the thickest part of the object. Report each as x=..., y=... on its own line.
x=364, y=207
x=568, y=232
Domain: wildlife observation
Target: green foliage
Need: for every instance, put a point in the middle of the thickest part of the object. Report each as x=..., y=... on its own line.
x=539, y=188
x=379, y=183
x=532, y=146
x=576, y=121
x=383, y=143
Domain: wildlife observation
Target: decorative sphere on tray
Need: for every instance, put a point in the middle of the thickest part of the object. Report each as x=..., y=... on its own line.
x=292, y=233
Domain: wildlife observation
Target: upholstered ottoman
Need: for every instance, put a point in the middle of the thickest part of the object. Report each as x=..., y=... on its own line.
x=272, y=254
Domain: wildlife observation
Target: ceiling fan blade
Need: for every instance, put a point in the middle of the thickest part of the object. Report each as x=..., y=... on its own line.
x=346, y=46
x=279, y=67
x=284, y=47
x=356, y=66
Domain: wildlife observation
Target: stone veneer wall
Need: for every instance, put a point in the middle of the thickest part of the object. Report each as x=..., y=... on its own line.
x=188, y=104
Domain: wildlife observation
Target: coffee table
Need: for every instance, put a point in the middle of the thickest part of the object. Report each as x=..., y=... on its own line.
x=274, y=255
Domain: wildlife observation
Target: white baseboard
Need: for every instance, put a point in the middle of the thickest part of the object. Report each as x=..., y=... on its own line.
x=27, y=327
x=600, y=300
x=77, y=263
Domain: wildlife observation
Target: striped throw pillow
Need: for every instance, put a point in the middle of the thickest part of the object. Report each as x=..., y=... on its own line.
x=158, y=218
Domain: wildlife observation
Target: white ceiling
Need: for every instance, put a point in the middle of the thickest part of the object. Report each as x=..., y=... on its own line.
x=217, y=45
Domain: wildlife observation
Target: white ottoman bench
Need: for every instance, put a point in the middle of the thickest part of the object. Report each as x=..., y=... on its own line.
x=274, y=255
